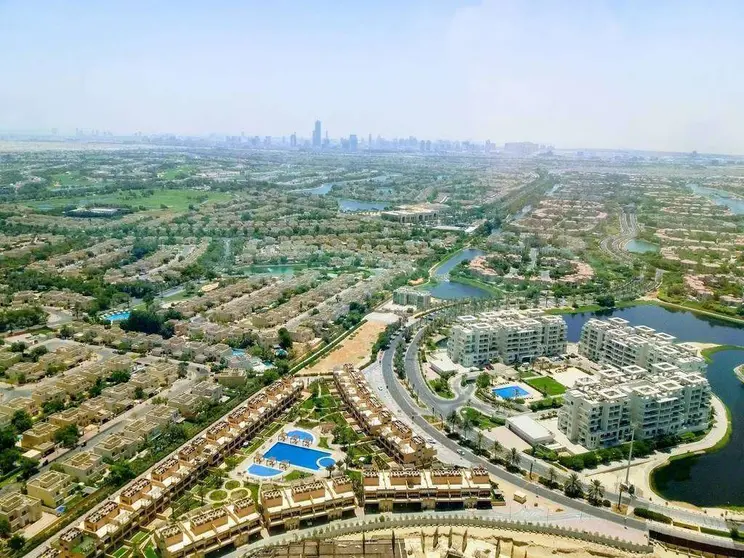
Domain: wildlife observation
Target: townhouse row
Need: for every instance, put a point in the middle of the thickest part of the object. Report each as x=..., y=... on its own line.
x=428, y=488
x=140, y=502
x=397, y=438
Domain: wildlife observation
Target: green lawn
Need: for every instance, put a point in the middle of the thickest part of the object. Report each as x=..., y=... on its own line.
x=296, y=475
x=546, y=385
x=138, y=537
x=150, y=552
x=441, y=388
x=478, y=419
x=178, y=200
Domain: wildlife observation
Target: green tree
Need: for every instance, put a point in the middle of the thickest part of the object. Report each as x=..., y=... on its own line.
x=514, y=458
x=67, y=436
x=285, y=338
x=16, y=542
x=21, y=421
x=573, y=487
x=552, y=477
x=4, y=528
x=120, y=472
x=28, y=467
x=596, y=492
x=483, y=380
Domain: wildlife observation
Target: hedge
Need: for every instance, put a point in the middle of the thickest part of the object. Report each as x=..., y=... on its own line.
x=652, y=515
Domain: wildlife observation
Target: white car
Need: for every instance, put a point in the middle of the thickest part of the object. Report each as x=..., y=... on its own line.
x=460, y=452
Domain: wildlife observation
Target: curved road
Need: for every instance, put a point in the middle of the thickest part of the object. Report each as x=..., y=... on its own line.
x=408, y=406
x=406, y=403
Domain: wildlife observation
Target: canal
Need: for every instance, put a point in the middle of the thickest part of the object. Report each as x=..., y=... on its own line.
x=445, y=289
x=714, y=479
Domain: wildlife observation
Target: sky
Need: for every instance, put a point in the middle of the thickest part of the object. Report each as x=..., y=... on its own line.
x=659, y=75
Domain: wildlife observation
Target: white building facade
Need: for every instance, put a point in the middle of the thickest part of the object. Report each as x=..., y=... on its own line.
x=619, y=344
x=507, y=335
x=603, y=410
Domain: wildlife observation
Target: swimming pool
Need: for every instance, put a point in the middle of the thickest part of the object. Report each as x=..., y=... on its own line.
x=238, y=352
x=510, y=392
x=262, y=471
x=118, y=316
x=307, y=458
x=301, y=435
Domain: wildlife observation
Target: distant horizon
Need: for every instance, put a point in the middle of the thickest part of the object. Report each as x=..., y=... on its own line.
x=63, y=136
x=659, y=76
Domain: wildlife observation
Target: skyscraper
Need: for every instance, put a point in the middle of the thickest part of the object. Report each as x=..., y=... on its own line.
x=317, y=137
x=293, y=140
x=353, y=142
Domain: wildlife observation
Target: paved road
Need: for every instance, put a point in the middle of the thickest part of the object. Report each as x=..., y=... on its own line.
x=405, y=402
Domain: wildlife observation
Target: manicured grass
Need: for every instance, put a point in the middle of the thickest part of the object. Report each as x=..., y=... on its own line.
x=253, y=489
x=478, y=419
x=178, y=200
x=546, y=385
x=323, y=443
x=710, y=351
x=217, y=495
x=138, y=537
x=238, y=494
x=121, y=552
x=490, y=289
x=150, y=552
x=232, y=484
x=296, y=475
x=441, y=388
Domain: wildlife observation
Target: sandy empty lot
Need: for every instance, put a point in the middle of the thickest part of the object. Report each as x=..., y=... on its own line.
x=355, y=349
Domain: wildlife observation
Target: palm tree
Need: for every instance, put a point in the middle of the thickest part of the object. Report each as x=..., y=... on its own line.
x=596, y=492
x=552, y=477
x=497, y=448
x=479, y=441
x=330, y=467
x=201, y=490
x=514, y=458
x=452, y=419
x=467, y=424
x=573, y=486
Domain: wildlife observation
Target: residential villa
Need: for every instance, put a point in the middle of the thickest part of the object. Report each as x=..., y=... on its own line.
x=396, y=437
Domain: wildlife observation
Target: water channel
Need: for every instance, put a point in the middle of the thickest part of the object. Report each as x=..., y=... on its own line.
x=638, y=246
x=714, y=479
x=445, y=289
x=720, y=197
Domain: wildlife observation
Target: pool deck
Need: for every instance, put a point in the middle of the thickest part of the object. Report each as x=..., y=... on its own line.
x=532, y=393
x=240, y=472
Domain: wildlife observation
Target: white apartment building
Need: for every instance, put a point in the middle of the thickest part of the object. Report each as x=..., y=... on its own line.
x=602, y=410
x=407, y=296
x=507, y=335
x=615, y=342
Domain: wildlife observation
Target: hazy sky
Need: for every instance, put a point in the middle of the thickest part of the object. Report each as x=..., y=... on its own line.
x=649, y=74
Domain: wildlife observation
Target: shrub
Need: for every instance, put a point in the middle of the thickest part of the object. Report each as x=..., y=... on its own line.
x=652, y=515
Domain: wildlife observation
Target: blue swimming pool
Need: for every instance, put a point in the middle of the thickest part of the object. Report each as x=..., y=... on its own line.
x=118, y=316
x=301, y=435
x=238, y=352
x=262, y=471
x=307, y=458
x=510, y=392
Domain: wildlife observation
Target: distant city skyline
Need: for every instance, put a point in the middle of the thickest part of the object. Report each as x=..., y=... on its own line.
x=658, y=76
